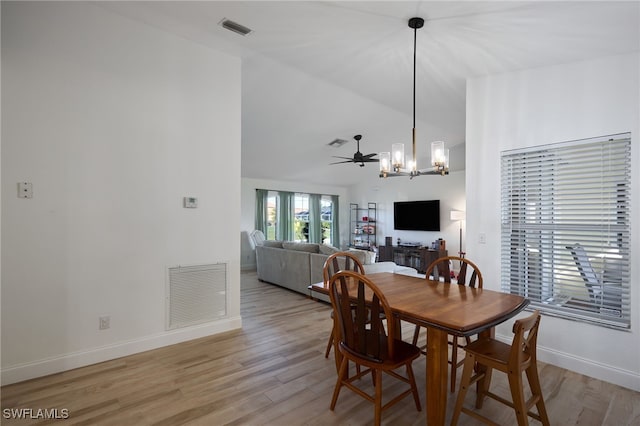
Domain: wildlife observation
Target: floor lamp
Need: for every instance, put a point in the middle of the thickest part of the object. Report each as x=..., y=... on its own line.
x=457, y=215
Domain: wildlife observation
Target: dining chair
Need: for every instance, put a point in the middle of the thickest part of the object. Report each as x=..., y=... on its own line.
x=487, y=354
x=368, y=336
x=336, y=262
x=469, y=275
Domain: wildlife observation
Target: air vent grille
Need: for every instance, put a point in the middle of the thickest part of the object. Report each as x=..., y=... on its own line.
x=337, y=143
x=196, y=294
x=235, y=27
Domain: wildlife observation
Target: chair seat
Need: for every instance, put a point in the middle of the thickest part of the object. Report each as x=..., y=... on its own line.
x=490, y=349
x=402, y=352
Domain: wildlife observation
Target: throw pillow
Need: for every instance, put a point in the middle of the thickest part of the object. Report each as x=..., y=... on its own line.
x=360, y=254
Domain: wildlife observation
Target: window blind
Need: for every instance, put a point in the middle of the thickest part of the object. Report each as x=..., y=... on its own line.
x=565, y=233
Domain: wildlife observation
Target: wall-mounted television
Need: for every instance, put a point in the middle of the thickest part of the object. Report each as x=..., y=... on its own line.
x=416, y=215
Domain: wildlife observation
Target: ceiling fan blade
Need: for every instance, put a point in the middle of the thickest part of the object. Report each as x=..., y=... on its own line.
x=370, y=155
x=344, y=158
x=370, y=160
x=341, y=162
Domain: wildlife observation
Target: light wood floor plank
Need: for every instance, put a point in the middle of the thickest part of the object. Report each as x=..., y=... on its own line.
x=273, y=372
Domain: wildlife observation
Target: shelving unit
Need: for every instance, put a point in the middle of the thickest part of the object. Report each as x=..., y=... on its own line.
x=363, y=226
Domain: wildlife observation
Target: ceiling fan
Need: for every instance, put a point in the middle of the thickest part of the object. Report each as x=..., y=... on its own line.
x=358, y=157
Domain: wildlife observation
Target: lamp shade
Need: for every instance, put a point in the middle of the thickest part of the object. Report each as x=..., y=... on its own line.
x=457, y=215
x=385, y=162
x=397, y=155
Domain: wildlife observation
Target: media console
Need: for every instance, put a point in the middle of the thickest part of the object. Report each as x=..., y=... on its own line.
x=418, y=258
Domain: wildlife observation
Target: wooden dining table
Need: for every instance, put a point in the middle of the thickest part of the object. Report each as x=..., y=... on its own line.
x=442, y=309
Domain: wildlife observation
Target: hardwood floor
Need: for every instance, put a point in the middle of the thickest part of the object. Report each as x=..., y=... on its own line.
x=273, y=372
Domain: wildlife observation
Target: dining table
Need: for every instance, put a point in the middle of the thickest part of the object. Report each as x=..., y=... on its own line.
x=443, y=309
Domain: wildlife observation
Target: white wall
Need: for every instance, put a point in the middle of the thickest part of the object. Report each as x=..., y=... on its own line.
x=541, y=106
x=113, y=122
x=450, y=190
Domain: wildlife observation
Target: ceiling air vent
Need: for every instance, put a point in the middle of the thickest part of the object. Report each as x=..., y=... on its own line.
x=235, y=27
x=337, y=143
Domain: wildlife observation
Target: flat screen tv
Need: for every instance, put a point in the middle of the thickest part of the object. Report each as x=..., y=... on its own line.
x=416, y=215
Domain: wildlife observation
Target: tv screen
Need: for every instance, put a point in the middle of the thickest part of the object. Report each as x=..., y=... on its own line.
x=416, y=215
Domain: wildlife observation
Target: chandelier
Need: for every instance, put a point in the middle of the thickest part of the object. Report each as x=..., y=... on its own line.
x=394, y=163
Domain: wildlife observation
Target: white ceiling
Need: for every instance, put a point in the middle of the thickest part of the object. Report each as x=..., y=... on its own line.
x=320, y=70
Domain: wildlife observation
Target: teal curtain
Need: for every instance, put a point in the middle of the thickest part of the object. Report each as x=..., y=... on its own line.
x=261, y=200
x=335, y=222
x=315, y=221
x=285, y=216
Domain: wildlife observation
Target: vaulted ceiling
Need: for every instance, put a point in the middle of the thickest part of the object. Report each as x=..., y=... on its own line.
x=320, y=70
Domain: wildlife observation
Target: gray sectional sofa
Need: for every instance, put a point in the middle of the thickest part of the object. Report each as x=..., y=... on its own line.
x=297, y=265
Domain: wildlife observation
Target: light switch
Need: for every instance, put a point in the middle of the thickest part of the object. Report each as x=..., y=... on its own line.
x=25, y=190
x=190, y=202
x=482, y=238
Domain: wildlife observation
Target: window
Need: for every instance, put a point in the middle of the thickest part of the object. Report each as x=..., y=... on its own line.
x=299, y=217
x=566, y=228
x=326, y=218
x=272, y=215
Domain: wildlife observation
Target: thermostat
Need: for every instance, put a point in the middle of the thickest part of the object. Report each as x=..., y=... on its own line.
x=190, y=202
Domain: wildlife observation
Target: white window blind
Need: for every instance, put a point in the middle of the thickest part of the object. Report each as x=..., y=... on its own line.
x=566, y=228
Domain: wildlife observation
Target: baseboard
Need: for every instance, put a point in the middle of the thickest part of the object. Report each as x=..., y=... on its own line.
x=73, y=360
x=248, y=266
x=587, y=367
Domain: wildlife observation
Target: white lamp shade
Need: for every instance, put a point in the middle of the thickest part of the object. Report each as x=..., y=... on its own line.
x=397, y=151
x=385, y=162
x=437, y=153
x=457, y=215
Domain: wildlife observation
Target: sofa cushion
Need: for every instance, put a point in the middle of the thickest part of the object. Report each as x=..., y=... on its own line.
x=327, y=249
x=272, y=243
x=364, y=256
x=306, y=247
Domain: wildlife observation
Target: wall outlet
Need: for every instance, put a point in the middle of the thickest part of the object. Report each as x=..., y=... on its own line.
x=25, y=190
x=105, y=323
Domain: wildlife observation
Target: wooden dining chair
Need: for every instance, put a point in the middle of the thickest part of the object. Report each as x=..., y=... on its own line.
x=368, y=336
x=487, y=354
x=337, y=262
x=469, y=275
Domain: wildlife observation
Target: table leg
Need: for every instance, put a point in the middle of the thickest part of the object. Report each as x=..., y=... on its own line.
x=437, y=375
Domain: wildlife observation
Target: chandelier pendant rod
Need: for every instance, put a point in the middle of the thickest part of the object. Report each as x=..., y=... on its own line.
x=413, y=135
